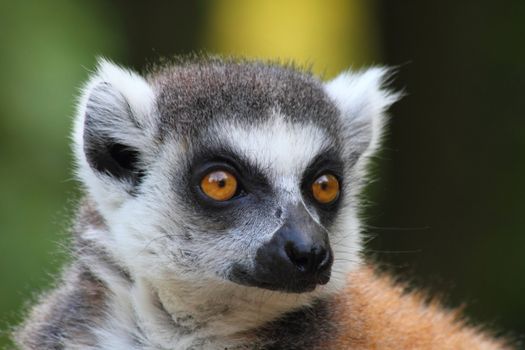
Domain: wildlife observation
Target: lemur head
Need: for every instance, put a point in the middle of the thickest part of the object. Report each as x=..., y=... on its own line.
x=241, y=173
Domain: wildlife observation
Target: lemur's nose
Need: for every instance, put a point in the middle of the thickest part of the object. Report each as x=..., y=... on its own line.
x=309, y=255
x=297, y=258
x=308, y=258
x=306, y=246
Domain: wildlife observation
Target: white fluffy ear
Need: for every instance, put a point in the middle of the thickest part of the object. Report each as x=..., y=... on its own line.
x=362, y=100
x=114, y=127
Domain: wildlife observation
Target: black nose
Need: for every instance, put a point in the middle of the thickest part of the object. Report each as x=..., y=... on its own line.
x=309, y=259
x=296, y=259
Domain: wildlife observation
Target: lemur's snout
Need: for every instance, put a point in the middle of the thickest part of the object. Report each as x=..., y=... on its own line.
x=297, y=258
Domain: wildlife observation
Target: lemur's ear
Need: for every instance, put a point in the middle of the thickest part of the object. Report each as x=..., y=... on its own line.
x=362, y=100
x=113, y=132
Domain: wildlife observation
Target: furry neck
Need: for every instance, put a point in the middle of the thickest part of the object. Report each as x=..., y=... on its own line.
x=225, y=309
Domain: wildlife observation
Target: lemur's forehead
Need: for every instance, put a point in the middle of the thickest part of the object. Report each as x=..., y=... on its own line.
x=281, y=148
x=191, y=97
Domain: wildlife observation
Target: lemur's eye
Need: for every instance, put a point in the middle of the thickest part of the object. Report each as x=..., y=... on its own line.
x=219, y=185
x=325, y=189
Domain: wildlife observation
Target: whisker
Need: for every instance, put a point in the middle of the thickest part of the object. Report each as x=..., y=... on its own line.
x=410, y=251
x=394, y=228
x=150, y=242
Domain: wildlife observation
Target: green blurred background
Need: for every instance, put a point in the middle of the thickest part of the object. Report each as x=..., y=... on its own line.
x=447, y=209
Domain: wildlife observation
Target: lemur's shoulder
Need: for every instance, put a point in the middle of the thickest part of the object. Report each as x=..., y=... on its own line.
x=373, y=312
x=66, y=314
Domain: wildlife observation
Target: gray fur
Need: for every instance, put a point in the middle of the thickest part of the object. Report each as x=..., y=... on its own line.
x=194, y=94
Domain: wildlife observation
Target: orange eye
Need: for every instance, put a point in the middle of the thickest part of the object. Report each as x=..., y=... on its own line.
x=325, y=189
x=219, y=185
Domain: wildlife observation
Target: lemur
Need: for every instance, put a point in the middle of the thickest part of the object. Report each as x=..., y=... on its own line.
x=221, y=211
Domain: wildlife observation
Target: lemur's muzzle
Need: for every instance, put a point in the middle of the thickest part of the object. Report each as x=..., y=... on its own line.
x=296, y=259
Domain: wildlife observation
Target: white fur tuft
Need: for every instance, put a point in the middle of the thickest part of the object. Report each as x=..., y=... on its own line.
x=363, y=99
x=132, y=86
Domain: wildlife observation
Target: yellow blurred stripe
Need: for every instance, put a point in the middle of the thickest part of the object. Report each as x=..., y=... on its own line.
x=329, y=35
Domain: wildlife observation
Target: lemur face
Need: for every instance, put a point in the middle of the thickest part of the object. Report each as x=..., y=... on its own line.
x=262, y=197
x=241, y=173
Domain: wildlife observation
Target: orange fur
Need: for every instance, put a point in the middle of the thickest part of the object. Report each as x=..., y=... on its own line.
x=374, y=313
